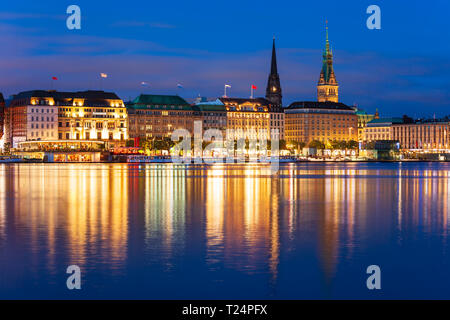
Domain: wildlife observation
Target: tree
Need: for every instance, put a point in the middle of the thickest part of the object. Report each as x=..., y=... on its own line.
x=352, y=144
x=317, y=144
x=335, y=145
x=147, y=145
x=6, y=147
x=130, y=143
x=295, y=145
x=282, y=145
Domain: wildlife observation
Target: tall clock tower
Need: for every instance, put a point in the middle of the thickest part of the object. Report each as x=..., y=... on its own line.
x=327, y=88
x=273, y=91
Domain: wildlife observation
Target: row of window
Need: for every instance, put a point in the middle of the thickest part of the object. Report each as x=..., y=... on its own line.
x=42, y=134
x=87, y=136
x=247, y=123
x=42, y=118
x=100, y=110
x=88, y=125
x=290, y=127
x=334, y=132
x=47, y=125
x=42, y=110
x=378, y=129
x=276, y=116
x=158, y=121
x=378, y=137
x=165, y=113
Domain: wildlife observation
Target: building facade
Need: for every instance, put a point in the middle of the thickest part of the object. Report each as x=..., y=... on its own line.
x=323, y=121
x=363, y=119
x=423, y=135
x=213, y=115
x=157, y=116
x=380, y=129
x=52, y=116
x=277, y=122
x=248, y=118
x=92, y=115
x=31, y=115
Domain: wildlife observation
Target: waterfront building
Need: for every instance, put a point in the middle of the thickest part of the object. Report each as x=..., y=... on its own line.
x=31, y=115
x=277, y=122
x=247, y=118
x=52, y=117
x=326, y=120
x=157, y=116
x=327, y=88
x=423, y=135
x=212, y=114
x=363, y=119
x=380, y=129
x=92, y=115
x=323, y=121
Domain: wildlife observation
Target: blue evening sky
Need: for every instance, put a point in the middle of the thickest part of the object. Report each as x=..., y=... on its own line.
x=402, y=68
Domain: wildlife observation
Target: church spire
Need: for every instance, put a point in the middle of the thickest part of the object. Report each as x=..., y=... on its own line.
x=273, y=91
x=327, y=88
x=273, y=68
x=327, y=43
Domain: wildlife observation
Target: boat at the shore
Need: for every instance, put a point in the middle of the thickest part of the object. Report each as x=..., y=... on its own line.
x=11, y=159
x=148, y=159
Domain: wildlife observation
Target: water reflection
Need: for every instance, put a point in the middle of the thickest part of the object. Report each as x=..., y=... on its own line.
x=82, y=210
x=307, y=223
x=164, y=210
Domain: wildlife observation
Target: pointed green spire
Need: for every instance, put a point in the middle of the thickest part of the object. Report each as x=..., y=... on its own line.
x=327, y=45
x=327, y=65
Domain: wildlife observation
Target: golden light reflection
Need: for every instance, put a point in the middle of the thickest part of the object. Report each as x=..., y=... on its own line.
x=87, y=206
x=215, y=206
x=165, y=209
x=97, y=207
x=3, y=196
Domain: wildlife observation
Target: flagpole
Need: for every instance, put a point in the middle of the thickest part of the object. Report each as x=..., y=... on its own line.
x=251, y=92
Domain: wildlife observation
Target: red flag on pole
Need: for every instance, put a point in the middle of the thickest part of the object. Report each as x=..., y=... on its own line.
x=254, y=87
x=54, y=78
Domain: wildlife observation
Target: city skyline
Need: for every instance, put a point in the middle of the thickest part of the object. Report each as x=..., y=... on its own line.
x=374, y=73
x=224, y=159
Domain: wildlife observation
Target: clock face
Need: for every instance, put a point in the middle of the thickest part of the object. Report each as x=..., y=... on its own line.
x=274, y=89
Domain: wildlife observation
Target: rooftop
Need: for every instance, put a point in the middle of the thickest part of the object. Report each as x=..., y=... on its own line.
x=210, y=107
x=216, y=102
x=261, y=101
x=157, y=99
x=89, y=95
x=385, y=121
x=319, y=105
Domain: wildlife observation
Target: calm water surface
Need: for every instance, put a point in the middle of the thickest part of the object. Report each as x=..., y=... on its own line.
x=225, y=231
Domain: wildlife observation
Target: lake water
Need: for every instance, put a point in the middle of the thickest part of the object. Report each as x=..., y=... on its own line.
x=164, y=231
